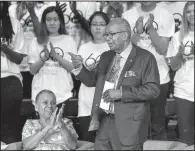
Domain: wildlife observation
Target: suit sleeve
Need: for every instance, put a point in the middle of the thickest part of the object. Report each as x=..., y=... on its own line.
x=150, y=88
x=87, y=77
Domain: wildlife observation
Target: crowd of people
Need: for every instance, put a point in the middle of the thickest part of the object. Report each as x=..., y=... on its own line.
x=121, y=60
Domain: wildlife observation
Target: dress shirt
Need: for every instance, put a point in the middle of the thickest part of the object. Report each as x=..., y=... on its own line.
x=124, y=55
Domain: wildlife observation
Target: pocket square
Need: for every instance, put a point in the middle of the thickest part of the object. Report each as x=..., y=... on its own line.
x=130, y=74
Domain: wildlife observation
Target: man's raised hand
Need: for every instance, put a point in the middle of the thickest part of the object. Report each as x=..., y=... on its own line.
x=77, y=60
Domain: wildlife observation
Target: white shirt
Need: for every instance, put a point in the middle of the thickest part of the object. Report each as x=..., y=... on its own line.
x=175, y=8
x=86, y=8
x=166, y=28
x=9, y=68
x=184, y=77
x=28, y=30
x=12, y=10
x=124, y=56
x=86, y=94
x=52, y=76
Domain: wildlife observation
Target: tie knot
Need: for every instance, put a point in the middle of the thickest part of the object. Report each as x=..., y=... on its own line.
x=118, y=57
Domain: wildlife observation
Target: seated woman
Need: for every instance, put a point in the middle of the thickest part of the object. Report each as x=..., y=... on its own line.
x=50, y=131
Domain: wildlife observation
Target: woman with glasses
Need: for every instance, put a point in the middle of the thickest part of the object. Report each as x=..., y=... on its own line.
x=48, y=57
x=181, y=59
x=90, y=53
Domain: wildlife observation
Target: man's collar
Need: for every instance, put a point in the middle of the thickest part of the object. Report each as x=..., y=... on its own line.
x=127, y=51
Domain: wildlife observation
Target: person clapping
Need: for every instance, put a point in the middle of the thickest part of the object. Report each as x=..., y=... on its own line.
x=50, y=131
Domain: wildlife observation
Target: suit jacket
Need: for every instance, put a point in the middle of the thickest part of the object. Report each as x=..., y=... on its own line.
x=141, y=85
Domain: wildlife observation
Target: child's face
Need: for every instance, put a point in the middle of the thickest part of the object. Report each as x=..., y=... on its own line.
x=46, y=105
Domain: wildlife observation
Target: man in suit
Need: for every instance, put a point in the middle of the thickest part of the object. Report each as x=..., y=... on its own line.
x=125, y=126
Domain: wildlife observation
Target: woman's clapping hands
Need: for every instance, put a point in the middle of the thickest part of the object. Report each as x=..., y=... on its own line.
x=59, y=120
x=53, y=119
x=46, y=55
x=53, y=54
x=56, y=118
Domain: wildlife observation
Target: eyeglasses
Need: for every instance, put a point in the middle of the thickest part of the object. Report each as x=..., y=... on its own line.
x=110, y=35
x=96, y=25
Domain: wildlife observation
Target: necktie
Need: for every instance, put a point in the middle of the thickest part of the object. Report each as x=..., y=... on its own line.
x=114, y=73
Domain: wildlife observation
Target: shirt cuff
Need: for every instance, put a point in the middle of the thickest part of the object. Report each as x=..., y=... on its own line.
x=77, y=70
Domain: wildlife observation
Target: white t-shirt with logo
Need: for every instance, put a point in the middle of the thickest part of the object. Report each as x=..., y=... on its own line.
x=9, y=68
x=90, y=53
x=86, y=8
x=52, y=76
x=184, y=77
x=28, y=29
x=175, y=8
x=165, y=26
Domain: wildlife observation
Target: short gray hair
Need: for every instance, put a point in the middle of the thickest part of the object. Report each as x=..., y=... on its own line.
x=42, y=92
x=123, y=23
